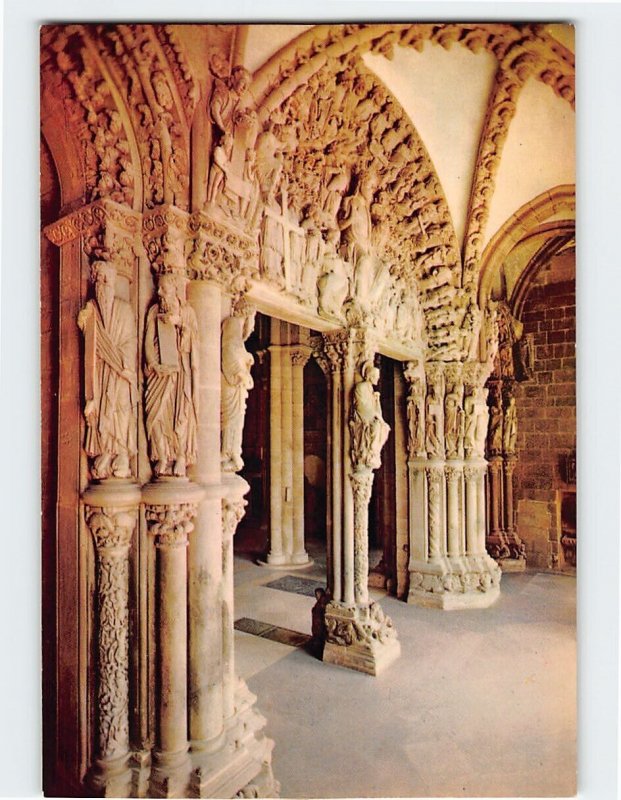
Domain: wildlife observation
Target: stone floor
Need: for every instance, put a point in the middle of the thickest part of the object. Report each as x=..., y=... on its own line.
x=481, y=703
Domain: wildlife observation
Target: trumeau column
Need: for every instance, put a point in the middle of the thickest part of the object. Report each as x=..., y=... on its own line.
x=356, y=632
x=448, y=565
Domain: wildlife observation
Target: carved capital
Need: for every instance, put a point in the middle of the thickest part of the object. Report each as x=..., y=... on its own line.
x=171, y=524
x=434, y=475
x=165, y=232
x=110, y=231
x=300, y=356
x=453, y=474
x=111, y=528
x=232, y=513
x=473, y=474
x=221, y=253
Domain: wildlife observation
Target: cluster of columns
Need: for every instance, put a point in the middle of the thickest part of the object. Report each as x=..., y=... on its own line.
x=503, y=541
x=192, y=729
x=447, y=424
x=355, y=631
x=289, y=352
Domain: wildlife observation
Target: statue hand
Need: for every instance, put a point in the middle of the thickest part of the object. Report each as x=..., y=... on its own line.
x=90, y=412
x=84, y=315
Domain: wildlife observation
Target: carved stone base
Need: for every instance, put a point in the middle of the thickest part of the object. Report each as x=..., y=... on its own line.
x=506, y=548
x=170, y=774
x=473, y=582
x=285, y=565
x=241, y=766
x=110, y=778
x=359, y=637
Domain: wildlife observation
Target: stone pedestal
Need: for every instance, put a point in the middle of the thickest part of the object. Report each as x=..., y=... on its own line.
x=111, y=513
x=360, y=637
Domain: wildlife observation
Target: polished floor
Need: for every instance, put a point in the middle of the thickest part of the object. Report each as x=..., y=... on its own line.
x=481, y=703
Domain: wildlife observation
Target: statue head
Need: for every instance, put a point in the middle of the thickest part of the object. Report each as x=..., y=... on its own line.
x=240, y=79
x=104, y=275
x=168, y=294
x=370, y=372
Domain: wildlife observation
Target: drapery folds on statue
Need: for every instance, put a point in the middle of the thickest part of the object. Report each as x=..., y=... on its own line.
x=171, y=371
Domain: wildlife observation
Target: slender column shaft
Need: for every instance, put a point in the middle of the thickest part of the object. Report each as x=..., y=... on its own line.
x=287, y=453
x=173, y=648
x=337, y=486
x=362, y=483
x=495, y=478
x=481, y=513
x=348, y=497
x=276, y=554
x=471, y=510
x=452, y=506
x=299, y=551
x=418, y=520
x=508, y=475
x=434, y=478
x=205, y=553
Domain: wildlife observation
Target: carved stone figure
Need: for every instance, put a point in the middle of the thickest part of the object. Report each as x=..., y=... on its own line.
x=236, y=382
x=368, y=429
x=171, y=371
x=494, y=437
x=110, y=389
x=510, y=427
x=415, y=411
x=272, y=244
x=355, y=222
x=226, y=94
x=333, y=284
x=453, y=423
x=477, y=415
x=434, y=413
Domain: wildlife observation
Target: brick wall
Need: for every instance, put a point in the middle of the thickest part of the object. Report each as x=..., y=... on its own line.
x=547, y=412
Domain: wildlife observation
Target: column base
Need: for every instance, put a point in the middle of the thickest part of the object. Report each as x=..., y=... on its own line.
x=110, y=778
x=170, y=774
x=241, y=766
x=474, y=583
x=287, y=562
x=359, y=637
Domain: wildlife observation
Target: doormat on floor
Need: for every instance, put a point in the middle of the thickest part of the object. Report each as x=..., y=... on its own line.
x=272, y=632
x=292, y=583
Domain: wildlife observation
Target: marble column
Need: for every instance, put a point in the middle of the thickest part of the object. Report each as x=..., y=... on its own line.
x=355, y=631
x=111, y=513
x=170, y=508
x=206, y=714
x=299, y=358
x=287, y=360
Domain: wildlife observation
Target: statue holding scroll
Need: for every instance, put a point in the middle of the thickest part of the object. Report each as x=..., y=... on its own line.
x=111, y=394
x=171, y=370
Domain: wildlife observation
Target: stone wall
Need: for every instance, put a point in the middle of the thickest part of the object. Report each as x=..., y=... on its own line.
x=547, y=412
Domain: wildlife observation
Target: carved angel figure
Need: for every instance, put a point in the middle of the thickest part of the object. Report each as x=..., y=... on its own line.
x=111, y=393
x=368, y=429
x=477, y=417
x=453, y=416
x=434, y=413
x=171, y=370
x=236, y=382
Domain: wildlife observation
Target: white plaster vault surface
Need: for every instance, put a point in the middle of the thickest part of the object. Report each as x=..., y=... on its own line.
x=481, y=703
